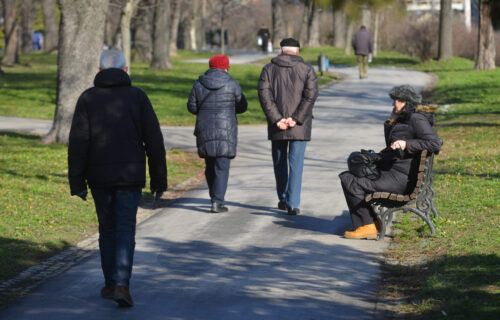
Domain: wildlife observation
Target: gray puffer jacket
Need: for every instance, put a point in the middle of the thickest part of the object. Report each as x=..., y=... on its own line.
x=215, y=99
x=288, y=88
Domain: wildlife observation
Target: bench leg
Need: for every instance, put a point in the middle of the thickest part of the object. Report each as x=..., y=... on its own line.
x=424, y=216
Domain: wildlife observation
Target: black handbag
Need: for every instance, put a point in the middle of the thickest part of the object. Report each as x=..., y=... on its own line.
x=363, y=164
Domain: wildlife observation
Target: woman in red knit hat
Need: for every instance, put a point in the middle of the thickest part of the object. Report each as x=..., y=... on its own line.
x=215, y=99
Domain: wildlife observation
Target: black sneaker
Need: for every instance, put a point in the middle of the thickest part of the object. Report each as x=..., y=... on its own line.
x=282, y=206
x=293, y=211
x=218, y=207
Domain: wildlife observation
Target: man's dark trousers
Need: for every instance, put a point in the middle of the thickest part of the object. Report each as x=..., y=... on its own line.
x=116, y=210
x=217, y=175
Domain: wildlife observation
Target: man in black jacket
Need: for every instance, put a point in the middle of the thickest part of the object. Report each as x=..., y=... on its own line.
x=114, y=127
x=288, y=88
x=215, y=99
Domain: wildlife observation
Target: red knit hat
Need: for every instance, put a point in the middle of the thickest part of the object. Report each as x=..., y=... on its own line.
x=219, y=62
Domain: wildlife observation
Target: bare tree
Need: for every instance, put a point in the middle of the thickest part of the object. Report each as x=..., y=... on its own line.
x=348, y=37
x=174, y=27
x=50, y=35
x=445, y=51
x=112, y=35
x=486, y=42
x=81, y=35
x=28, y=15
x=376, y=26
x=10, y=56
x=279, y=25
x=128, y=11
x=313, y=26
x=143, y=40
x=338, y=27
x=161, y=36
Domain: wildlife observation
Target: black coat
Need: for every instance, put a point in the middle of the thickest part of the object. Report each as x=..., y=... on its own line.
x=288, y=87
x=362, y=43
x=398, y=170
x=215, y=99
x=114, y=127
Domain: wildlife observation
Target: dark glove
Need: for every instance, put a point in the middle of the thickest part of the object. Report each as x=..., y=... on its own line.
x=83, y=195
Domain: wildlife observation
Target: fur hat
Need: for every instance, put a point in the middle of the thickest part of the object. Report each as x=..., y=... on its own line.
x=289, y=42
x=219, y=61
x=405, y=93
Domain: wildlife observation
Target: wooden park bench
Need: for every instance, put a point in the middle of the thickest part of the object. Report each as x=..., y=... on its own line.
x=419, y=201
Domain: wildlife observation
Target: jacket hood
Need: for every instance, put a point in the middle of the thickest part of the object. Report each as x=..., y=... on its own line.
x=427, y=112
x=214, y=78
x=286, y=60
x=113, y=77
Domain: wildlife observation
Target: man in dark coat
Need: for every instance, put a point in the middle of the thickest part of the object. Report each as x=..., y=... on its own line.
x=407, y=132
x=215, y=99
x=114, y=127
x=288, y=88
x=363, y=46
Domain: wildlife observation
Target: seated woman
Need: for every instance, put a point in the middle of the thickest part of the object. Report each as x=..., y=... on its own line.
x=408, y=131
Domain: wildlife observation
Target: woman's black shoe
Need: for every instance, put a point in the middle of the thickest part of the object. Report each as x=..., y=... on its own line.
x=282, y=206
x=293, y=211
x=218, y=207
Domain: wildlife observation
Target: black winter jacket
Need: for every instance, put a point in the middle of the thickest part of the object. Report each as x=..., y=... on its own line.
x=215, y=99
x=419, y=135
x=288, y=87
x=114, y=127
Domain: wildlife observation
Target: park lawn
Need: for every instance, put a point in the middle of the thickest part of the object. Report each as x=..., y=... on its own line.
x=456, y=273
x=29, y=89
x=38, y=217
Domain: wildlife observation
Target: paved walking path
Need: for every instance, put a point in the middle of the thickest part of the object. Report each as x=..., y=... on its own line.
x=252, y=262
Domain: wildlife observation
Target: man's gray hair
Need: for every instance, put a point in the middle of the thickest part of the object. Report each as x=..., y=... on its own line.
x=112, y=59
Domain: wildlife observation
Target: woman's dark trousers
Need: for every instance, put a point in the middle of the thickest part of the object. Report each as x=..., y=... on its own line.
x=355, y=190
x=116, y=211
x=217, y=175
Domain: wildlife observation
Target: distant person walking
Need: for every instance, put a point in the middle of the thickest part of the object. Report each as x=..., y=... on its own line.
x=288, y=88
x=362, y=44
x=114, y=127
x=215, y=99
x=263, y=37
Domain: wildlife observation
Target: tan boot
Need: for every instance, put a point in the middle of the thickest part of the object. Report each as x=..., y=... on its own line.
x=122, y=296
x=368, y=231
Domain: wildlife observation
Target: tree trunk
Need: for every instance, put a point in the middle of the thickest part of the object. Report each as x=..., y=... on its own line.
x=10, y=56
x=174, y=28
x=28, y=15
x=304, y=28
x=445, y=51
x=112, y=27
x=50, y=36
x=376, y=26
x=366, y=17
x=126, y=16
x=314, y=20
x=143, y=41
x=161, y=35
x=486, y=42
x=194, y=26
x=81, y=34
x=339, y=28
x=348, y=37
x=279, y=25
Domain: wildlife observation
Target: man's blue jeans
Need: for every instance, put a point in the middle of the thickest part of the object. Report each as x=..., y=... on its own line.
x=116, y=211
x=288, y=160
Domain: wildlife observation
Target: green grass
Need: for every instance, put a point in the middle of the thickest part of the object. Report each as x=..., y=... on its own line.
x=460, y=275
x=29, y=90
x=38, y=217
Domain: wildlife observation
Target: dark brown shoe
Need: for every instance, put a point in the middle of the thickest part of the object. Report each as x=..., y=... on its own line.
x=107, y=292
x=122, y=296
